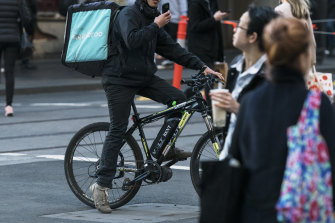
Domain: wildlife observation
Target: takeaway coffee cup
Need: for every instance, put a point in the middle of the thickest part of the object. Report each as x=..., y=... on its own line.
x=219, y=114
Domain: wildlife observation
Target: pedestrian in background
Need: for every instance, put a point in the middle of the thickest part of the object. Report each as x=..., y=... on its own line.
x=26, y=59
x=177, y=9
x=13, y=14
x=203, y=32
x=300, y=10
x=247, y=70
x=260, y=137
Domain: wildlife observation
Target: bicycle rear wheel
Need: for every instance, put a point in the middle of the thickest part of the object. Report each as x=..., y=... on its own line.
x=82, y=158
x=203, y=151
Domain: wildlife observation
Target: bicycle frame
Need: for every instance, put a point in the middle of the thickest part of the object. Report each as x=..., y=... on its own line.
x=188, y=108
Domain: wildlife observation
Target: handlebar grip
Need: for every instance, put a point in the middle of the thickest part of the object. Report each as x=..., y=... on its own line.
x=187, y=82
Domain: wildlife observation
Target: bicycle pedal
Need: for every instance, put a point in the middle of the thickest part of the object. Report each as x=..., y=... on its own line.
x=126, y=184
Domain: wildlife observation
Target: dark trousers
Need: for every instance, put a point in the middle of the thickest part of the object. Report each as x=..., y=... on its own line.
x=9, y=52
x=119, y=104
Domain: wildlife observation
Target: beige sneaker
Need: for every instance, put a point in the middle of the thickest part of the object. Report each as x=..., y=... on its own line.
x=100, y=197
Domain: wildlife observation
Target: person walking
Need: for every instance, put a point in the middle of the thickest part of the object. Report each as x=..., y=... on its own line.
x=260, y=136
x=203, y=31
x=247, y=70
x=139, y=32
x=13, y=14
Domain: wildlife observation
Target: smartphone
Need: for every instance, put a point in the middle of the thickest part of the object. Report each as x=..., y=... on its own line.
x=165, y=7
x=227, y=11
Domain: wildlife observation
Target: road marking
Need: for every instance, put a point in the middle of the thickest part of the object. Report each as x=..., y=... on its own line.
x=150, y=106
x=141, y=98
x=144, y=106
x=12, y=154
x=88, y=104
x=144, y=213
x=61, y=157
x=38, y=158
x=61, y=104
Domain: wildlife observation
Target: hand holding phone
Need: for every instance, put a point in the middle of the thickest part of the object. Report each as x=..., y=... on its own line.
x=218, y=15
x=164, y=18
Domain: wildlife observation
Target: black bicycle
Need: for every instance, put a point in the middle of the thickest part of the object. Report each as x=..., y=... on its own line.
x=83, y=152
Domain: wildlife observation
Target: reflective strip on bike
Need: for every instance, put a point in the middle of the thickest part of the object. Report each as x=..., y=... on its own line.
x=216, y=148
x=145, y=147
x=183, y=120
x=180, y=127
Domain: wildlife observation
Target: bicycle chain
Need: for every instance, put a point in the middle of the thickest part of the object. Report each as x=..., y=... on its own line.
x=144, y=183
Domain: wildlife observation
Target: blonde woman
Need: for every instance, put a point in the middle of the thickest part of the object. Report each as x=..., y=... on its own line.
x=300, y=10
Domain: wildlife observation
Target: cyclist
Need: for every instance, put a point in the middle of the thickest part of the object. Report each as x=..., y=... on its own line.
x=138, y=33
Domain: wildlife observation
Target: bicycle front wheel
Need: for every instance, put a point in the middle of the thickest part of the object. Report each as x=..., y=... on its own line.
x=81, y=162
x=203, y=151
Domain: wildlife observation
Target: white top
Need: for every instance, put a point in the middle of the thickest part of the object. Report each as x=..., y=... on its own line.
x=243, y=80
x=284, y=9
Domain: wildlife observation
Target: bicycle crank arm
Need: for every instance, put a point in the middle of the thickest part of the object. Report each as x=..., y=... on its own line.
x=125, y=169
x=138, y=178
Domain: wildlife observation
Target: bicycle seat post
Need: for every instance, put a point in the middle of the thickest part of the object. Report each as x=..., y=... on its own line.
x=136, y=115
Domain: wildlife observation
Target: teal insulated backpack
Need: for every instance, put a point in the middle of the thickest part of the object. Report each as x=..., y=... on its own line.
x=87, y=39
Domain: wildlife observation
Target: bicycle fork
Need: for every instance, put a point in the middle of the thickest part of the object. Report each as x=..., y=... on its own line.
x=210, y=127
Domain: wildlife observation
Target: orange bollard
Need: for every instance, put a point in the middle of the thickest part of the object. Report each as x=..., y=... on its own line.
x=232, y=23
x=181, y=39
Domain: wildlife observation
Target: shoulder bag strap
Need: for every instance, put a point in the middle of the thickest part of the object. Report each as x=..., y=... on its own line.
x=309, y=116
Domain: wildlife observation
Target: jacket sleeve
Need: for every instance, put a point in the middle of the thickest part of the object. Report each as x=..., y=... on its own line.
x=131, y=31
x=199, y=24
x=327, y=130
x=171, y=50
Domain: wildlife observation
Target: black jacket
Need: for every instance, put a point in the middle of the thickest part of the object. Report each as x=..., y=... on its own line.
x=260, y=141
x=138, y=38
x=13, y=14
x=203, y=32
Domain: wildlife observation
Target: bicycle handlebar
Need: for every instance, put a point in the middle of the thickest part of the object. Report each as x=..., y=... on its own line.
x=200, y=80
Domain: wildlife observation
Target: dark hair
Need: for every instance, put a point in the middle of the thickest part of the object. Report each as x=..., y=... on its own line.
x=285, y=39
x=259, y=16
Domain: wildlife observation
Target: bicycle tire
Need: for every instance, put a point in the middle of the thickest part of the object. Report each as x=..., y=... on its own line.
x=83, y=153
x=203, y=151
